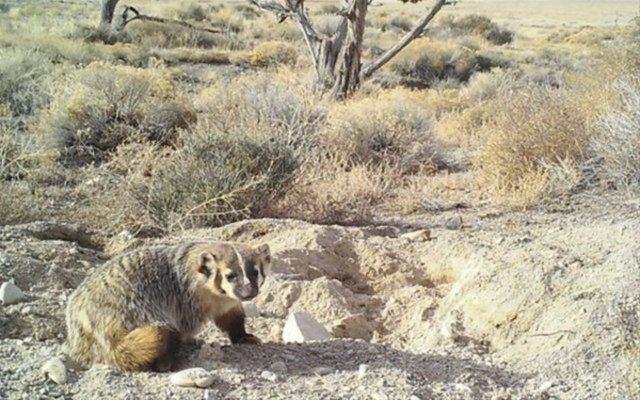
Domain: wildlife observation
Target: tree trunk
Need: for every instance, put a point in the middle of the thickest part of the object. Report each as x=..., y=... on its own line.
x=348, y=80
x=106, y=11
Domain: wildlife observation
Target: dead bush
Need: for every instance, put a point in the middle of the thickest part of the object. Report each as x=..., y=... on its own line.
x=216, y=177
x=532, y=134
x=21, y=80
x=425, y=62
x=192, y=11
x=273, y=53
x=332, y=191
x=153, y=34
x=476, y=25
x=618, y=138
x=389, y=128
x=103, y=106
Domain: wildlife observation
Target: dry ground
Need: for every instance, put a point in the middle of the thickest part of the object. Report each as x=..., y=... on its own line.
x=513, y=139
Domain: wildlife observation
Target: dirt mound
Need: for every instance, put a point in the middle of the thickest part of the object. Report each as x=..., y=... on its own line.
x=534, y=305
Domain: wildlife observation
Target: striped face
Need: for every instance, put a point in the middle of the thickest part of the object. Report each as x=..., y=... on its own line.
x=253, y=264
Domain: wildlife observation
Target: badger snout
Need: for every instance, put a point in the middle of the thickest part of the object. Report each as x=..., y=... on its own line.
x=246, y=292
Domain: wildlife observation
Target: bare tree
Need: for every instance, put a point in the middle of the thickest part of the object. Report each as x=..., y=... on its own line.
x=107, y=9
x=338, y=57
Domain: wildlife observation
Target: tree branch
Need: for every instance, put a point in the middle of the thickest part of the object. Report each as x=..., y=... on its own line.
x=130, y=14
x=372, y=67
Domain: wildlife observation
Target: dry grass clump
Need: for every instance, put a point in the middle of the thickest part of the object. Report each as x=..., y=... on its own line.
x=585, y=36
x=192, y=11
x=153, y=34
x=388, y=128
x=328, y=8
x=100, y=33
x=103, y=106
x=329, y=191
x=474, y=24
x=215, y=177
x=425, y=62
x=18, y=204
x=533, y=135
x=273, y=53
x=21, y=78
x=267, y=101
x=618, y=138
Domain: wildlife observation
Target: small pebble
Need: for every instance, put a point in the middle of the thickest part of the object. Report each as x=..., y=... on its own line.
x=454, y=223
x=10, y=294
x=362, y=370
x=270, y=376
x=55, y=370
x=192, y=377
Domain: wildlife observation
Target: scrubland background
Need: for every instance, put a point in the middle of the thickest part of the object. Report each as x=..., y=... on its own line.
x=161, y=127
x=466, y=225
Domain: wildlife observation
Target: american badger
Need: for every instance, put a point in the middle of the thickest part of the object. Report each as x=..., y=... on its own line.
x=134, y=312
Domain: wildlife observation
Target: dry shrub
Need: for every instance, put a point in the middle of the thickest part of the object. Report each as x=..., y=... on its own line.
x=190, y=55
x=401, y=22
x=329, y=9
x=228, y=20
x=103, y=106
x=18, y=152
x=268, y=101
x=155, y=34
x=18, y=203
x=192, y=11
x=618, y=138
x=57, y=49
x=246, y=11
x=532, y=134
x=101, y=33
x=273, y=53
x=474, y=24
x=585, y=36
x=425, y=61
x=239, y=159
x=216, y=177
x=21, y=78
x=388, y=128
x=329, y=191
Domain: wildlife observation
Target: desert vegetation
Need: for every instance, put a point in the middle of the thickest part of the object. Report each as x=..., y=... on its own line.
x=219, y=118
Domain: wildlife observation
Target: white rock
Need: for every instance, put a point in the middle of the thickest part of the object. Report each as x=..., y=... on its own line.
x=10, y=293
x=55, y=370
x=250, y=309
x=279, y=367
x=421, y=235
x=270, y=376
x=362, y=370
x=302, y=327
x=192, y=377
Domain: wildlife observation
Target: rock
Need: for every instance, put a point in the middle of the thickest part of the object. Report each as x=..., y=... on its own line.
x=55, y=370
x=270, y=376
x=421, y=235
x=454, y=223
x=10, y=293
x=279, y=367
x=303, y=327
x=250, y=309
x=322, y=371
x=192, y=377
x=353, y=326
x=362, y=370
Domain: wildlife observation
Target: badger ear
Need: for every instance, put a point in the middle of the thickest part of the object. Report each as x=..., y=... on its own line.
x=207, y=263
x=265, y=252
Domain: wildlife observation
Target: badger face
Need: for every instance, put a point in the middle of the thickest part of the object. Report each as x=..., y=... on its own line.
x=253, y=265
x=235, y=270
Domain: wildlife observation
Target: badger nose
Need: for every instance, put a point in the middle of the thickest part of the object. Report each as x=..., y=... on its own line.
x=247, y=292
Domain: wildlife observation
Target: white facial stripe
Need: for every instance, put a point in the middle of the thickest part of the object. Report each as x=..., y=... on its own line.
x=245, y=280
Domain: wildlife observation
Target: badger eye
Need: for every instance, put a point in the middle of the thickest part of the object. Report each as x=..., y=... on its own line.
x=231, y=277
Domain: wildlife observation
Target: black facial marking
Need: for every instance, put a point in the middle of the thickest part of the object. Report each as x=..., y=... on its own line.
x=205, y=270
